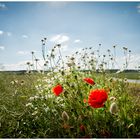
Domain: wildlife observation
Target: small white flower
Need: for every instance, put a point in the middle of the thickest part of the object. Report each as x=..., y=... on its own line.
x=49, y=96
x=29, y=104
x=16, y=81
x=41, y=91
x=113, y=108
x=35, y=108
x=12, y=82
x=45, y=79
x=31, y=98
x=59, y=99
x=34, y=113
x=36, y=97
x=46, y=109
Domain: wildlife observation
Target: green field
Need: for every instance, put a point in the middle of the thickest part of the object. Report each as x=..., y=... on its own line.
x=69, y=98
x=29, y=108
x=129, y=75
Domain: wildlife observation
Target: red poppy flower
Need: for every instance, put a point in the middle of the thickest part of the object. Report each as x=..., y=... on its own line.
x=97, y=98
x=57, y=90
x=82, y=127
x=89, y=81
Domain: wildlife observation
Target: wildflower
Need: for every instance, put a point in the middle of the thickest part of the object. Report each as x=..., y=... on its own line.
x=69, y=64
x=59, y=45
x=16, y=81
x=22, y=82
x=29, y=104
x=125, y=79
x=89, y=81
x=12, y=82
x=97, y=98
x=57, y=90
x=112, y=98
x=46, y=109
x=65, y=116
x=84, y=100
x=34, y=113
x=125, y=48
x=72, y=58
x=65, y=126
x=82, y=128
x=113, y=108
x=31, y=98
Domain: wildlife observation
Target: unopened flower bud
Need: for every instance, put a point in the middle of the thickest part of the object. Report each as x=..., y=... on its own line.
x=130, y=127
x=112, y=98
x=113, y=108
x=65, y=116
x=82, y=128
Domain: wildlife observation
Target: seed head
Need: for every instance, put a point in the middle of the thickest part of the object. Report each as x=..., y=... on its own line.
x=112, y=98
x=65, y=116
x=130, y=127
x=113, y=108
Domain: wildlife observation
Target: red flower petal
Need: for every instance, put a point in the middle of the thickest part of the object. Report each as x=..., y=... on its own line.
x=82, y=127
x=84, y=100
x=89, y=81
x=97, y=98
x=57, y=90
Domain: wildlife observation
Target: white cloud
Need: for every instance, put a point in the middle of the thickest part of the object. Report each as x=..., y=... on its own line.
x=16, y=66
x=77, y=41
x=9, y=33
x=57, y=4
x=23, y=52
x=64, y=47
x=5, y=33
x=2, y=6
x=138, y=8
x=2, y=48
x=1, y=32
x=24, y=36
x=60, y=38
x=22, y=65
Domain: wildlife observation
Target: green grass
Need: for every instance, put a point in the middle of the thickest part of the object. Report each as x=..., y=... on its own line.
x=130, y=75
x=29, y=109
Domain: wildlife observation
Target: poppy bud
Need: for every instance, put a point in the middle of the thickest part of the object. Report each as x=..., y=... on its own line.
x=130, y=127
x=113, y=108
x=112, y=98
x=82, y=128
x=65, y=116
x=89, y=81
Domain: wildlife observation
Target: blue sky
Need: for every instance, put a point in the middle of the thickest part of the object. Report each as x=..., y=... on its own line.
x=78, y=24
